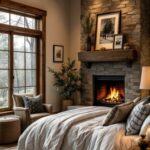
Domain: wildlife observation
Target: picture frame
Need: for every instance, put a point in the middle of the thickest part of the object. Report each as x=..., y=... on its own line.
x=107, y=25
x=118, y=41
x=58, y=53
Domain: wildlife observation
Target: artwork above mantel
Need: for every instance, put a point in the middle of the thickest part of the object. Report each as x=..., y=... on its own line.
x=108, y=56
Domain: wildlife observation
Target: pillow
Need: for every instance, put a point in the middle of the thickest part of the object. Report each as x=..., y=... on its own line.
x=137, y=100
x=145, y=126
x=137, y=117
x=33, y=103
x=118, y=113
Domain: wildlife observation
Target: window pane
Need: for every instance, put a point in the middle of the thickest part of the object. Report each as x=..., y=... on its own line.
x=31, y=90
x=19, y=78
x=3, y=78
x=30, y=61
x=4, y=17
x=3, y=41
x=30, y=78
x=30, y=44
x=3, y=59
x=19, y=90
x=17, y=20
x=18, y=43
x=19, y=60
x=3, y=98
x=30, y=23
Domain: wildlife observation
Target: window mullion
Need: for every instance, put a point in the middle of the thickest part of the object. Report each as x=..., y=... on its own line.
x=11, y=66
x=25, y=65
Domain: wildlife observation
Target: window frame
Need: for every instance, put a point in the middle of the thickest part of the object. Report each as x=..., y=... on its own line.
x=40, y=35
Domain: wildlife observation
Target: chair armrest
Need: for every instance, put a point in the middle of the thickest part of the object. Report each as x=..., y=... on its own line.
x=24, y=114
x=48, y=108
x=20, y=109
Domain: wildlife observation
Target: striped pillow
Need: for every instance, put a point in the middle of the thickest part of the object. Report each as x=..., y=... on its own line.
x=137, y=117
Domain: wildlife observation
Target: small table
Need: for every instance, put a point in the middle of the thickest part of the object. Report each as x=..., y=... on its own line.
x=10, y=129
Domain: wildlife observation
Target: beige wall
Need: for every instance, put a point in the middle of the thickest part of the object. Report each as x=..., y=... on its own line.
x=75, y=30
x=61, y=18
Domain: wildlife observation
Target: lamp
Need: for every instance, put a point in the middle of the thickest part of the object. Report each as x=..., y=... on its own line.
x=145, y=78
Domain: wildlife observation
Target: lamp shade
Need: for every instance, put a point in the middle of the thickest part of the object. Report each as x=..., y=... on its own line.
x=145, y=78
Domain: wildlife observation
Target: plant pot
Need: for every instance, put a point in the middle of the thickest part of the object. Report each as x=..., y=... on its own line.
x=66, y=103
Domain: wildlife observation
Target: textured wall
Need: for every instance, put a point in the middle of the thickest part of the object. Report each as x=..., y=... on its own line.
x=145, y=36
x=131, y=28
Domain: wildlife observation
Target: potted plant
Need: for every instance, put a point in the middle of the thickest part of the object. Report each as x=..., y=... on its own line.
x=68, y=80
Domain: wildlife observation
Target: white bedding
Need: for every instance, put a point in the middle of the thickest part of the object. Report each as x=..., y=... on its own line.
x=78, y=129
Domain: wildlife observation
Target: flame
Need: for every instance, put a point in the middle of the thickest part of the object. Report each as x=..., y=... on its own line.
x=114, y=94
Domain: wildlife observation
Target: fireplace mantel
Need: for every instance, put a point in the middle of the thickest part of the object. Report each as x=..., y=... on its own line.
x=107, y=56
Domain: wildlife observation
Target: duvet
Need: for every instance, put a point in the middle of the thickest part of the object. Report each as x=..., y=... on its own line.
x=78, y=129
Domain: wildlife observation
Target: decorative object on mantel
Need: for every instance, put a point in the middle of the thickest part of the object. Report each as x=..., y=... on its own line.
x=108, y=56
x=107, y=25
x=118, y=41
x=87, y=25
x=58, y=53
x=68, y=80
x=126, y=46
x=145, y=80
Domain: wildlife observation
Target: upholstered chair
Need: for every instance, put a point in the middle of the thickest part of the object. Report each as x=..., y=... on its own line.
x=25, y=115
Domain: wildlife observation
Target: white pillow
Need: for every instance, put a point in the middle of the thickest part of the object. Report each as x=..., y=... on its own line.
x=145, y=125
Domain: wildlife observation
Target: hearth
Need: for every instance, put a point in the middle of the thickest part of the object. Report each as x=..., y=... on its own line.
x=108, y=90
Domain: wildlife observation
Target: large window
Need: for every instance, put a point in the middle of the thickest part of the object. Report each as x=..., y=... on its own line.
x=22, y=52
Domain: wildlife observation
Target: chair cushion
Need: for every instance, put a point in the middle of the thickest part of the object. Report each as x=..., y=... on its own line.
x=137, y=117
x=33, y=103
x=18, y=99
x=118, y=113
x=37, y=116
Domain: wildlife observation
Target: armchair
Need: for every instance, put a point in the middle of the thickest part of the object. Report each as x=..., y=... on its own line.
x=24, y=113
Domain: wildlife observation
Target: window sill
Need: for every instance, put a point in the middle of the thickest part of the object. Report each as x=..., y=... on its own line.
x=6, y=113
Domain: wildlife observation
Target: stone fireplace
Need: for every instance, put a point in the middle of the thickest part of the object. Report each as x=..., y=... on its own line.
x=129, y=78
x=108, y=90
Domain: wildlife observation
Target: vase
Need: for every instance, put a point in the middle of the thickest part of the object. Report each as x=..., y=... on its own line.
x=88, y=43
x=66, y=103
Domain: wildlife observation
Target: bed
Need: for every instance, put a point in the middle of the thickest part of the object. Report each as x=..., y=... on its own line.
x=77, y=129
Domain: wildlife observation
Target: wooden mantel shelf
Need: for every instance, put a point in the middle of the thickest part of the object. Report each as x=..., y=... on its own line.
x=107, y=56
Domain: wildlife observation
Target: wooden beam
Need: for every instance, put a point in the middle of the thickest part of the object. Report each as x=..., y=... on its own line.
x=19, y=30
x=107, y=56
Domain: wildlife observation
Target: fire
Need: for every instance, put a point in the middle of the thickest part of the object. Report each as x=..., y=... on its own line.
x=113, y=95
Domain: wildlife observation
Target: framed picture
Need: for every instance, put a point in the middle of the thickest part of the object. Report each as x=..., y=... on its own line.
x=107, y=26
x=58, y=53
x=118, y=41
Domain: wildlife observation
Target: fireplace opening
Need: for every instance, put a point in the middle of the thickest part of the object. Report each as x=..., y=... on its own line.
x=108, y=90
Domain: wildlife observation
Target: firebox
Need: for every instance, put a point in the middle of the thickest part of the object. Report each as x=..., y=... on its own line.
x=108, y=90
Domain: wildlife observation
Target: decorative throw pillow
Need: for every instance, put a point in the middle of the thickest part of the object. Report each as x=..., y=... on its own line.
x=145, y=126
x=137, y=100
x=33, y=103
x=118, y=113
x=137, y=117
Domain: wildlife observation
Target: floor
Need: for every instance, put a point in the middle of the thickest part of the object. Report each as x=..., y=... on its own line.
x=9, y=147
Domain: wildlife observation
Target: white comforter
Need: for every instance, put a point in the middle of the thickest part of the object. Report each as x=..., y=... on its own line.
x=78, y=129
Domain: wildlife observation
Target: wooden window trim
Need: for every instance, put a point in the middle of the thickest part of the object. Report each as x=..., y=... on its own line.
x=19, y=30
x=18, y=7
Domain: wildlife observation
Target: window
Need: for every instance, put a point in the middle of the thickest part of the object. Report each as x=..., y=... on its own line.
x=4, y=70
x=24, y=64
x=22, y=52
